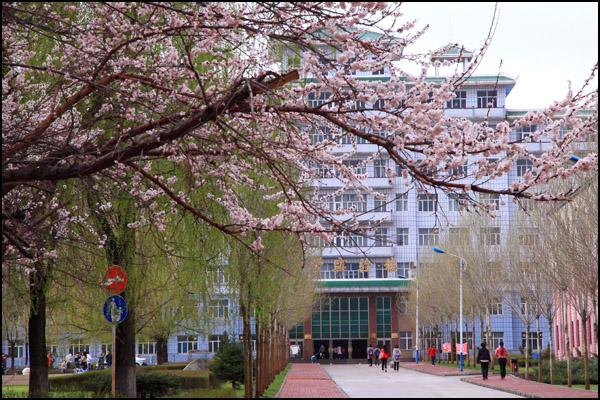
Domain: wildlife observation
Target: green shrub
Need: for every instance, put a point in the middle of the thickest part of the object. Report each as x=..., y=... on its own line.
x=207, y=394
x=228, y=363
x=149, y=384
x=577, y=372
x=173, y=366
x=156, y=384
x=195, y=379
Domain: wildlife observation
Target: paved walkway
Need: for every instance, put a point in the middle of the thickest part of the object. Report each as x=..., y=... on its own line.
x=309, y=381
x=511, y=384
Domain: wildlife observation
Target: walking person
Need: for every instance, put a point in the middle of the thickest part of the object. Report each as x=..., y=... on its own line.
x=383, y=356
x=483, y=357
x=101, y=359
x=432, y=353
x=396, y=358
x=376, y=352
x=370, y=354
x=322, y=352
x=339, y=352
x=108, y=358
x=502, y=355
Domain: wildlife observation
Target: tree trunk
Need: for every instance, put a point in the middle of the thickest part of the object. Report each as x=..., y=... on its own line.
x=125, y=384
x=247, y=337
x=550, y=342
x=539, y=346
x=567, y=343
x=259, y=358
x=162, y=351
x=586, y=361
x=38, y=378
x=527, y=327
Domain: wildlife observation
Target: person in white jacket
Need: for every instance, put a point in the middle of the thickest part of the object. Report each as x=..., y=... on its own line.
x=396, y=358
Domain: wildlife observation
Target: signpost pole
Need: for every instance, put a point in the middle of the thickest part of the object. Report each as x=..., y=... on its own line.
x=112, y=353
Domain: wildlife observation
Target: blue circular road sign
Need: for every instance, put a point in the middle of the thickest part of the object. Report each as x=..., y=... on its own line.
x=115, y=309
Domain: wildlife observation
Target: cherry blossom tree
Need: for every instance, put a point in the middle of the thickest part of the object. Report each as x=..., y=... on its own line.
x=125, y=91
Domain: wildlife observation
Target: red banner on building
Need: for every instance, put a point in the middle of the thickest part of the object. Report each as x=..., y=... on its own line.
x=465, y=348
x=446, y=348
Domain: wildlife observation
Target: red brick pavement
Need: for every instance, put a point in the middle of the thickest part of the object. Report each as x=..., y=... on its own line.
x=309, y=381
x=528, y=388
x=511, y=384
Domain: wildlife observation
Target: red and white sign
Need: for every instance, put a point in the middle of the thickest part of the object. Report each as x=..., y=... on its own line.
x=465, y=348
x=446, y=348
x=115, y=279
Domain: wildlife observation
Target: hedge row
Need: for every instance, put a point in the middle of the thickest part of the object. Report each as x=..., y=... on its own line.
x=149, y=383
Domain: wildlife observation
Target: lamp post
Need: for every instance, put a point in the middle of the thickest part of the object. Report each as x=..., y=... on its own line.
x=463, y=266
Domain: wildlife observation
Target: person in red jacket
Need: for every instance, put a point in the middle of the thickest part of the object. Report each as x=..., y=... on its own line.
x=502, y=355
x=383, y=356
x=432, y=353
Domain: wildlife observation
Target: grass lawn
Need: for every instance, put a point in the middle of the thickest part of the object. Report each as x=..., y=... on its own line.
x=271, y=391
x=15, y=388
x=592, y=387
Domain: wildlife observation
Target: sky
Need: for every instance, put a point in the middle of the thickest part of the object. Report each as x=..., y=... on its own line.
x=543, y=44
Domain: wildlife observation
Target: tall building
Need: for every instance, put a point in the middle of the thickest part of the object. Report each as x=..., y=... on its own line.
x=366, y=279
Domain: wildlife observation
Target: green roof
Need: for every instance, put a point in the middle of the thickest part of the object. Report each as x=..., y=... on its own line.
x=365, y=283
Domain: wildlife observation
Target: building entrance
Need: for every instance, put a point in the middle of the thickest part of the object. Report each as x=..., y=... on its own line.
x=359, y=349
x=340, y=345
x=317, y=345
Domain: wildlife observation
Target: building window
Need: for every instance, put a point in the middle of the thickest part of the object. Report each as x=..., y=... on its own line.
x=219, y=308
x=218, y=276
x=316, y=101
x=341, y=318
x=524, y=132
x=457, y=202
x=383, y=307
x=524, y=165
x=352, y=271
x=497, y=337
x=491, y=199
x=357, y=240
x=405, y=340
x=359, y=167
x=379, y=168
x=491, y=236
x=380, y=271
x=427, y=203
x=380, y=205
x=320, y=134
x=403, y=269
x=458, y=172
x=297, y=332
x=402, y=236
x=78, y=347
x=528, y=236
x=214, y=343
x=378, y=105
x=486, y=98
x=381, y=238
x=455, y=234
x=18, y=350
x=327, y=272
x=496, y=306
x=402, y=202
x=147, y=348
x=428, y=236
x=460, y=101
x=347, y=202
x=187, y=343
x=532, y=339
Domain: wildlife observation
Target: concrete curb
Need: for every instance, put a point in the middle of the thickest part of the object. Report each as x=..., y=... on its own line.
x=283, y=383
x=442, y=373
x=335, y=383
x=502, y=389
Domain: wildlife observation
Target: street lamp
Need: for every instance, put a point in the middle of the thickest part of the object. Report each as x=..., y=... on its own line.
x=463, y=266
